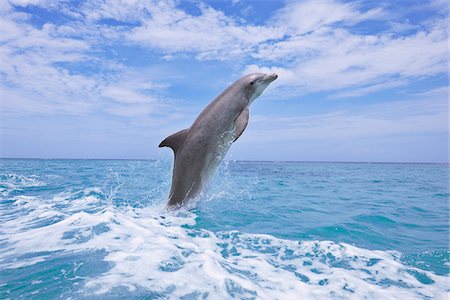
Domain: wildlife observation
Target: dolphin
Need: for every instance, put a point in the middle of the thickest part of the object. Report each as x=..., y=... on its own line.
x=199, y=149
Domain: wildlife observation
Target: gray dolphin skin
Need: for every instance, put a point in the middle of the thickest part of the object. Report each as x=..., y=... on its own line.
x=199, y=149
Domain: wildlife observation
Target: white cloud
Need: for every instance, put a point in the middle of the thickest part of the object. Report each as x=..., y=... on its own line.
x=309, y=48
x=426, y=116
x=38, y=77
x=307, y=16
x=210, y=35
x=322, y=54
x=121, y=10
x=442, y=92
x=31, y=79
x=369, y=89
x=132, y=88
x=20, y=103
x=407, y=130
x=42, y=3
x=286, y=76
x=130, y=111
x=124, y=95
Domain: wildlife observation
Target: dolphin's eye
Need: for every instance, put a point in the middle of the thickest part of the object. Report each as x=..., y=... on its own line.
x=252, y=83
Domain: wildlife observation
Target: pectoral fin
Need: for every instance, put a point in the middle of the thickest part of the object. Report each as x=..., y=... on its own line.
x=241, y=123
x=175, y=140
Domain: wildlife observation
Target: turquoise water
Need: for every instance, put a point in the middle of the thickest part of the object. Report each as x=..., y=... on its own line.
x=98, y=229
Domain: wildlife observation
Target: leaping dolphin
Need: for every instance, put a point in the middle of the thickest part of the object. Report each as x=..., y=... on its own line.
x=199, y=149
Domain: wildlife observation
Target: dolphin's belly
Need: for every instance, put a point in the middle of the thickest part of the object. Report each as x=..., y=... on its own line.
x=215, y=156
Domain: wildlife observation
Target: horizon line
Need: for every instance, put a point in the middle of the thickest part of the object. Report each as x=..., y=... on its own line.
x=242, y=160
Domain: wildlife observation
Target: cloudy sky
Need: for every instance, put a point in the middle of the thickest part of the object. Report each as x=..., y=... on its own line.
x=358, y=80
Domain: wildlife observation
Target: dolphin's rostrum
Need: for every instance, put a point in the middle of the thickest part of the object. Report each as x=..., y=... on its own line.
x=199, y=149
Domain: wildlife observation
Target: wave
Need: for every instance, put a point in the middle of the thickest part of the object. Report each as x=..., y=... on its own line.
x=12, y=182
x=81, y=246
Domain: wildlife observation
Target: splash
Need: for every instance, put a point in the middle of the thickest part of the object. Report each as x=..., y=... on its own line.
x=101, y=250
x=16, y=182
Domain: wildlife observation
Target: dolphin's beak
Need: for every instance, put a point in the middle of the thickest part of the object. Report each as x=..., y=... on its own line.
x=270, y=78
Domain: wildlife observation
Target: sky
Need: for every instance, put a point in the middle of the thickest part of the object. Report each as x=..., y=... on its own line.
x=358, y=80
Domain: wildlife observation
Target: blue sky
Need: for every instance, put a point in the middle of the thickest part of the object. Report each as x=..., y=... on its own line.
x=358, y=80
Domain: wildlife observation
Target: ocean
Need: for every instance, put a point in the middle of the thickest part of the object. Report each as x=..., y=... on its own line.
x=98, y=229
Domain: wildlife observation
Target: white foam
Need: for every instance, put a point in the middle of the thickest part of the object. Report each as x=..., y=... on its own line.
x=13, y=182
x=156, y=251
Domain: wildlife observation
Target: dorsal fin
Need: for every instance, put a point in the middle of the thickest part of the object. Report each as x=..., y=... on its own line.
x=175, y=140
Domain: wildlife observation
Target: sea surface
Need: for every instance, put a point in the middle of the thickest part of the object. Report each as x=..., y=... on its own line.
x=98, y=229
